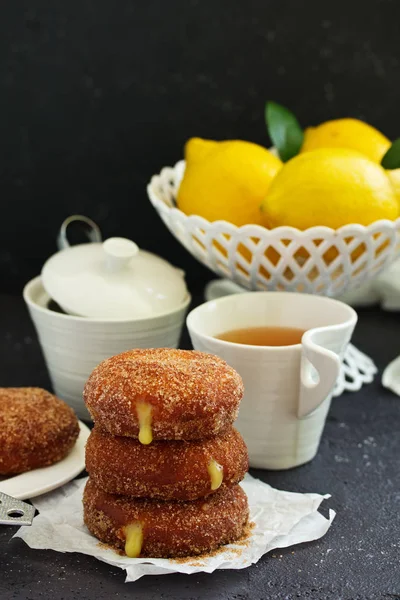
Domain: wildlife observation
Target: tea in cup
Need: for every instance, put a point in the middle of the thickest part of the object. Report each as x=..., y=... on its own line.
x=288, y=349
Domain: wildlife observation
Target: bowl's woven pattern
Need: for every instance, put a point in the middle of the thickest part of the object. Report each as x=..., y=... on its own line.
x=319, y=260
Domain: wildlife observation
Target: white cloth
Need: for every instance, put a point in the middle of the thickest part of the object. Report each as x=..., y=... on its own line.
x=383, y=290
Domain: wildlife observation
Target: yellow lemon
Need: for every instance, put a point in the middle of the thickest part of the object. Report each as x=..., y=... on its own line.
x=196, y=149
x=332, y=187
x=347, y=133
x=226, y=180
x=394, y=176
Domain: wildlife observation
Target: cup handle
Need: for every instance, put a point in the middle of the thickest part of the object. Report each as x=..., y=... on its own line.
x=319, y=371
x=92, y=230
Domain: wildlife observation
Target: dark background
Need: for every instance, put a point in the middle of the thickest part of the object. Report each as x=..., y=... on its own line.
x=96, y=96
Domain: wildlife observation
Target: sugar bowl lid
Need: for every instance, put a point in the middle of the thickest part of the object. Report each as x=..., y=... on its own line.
x=112, y=279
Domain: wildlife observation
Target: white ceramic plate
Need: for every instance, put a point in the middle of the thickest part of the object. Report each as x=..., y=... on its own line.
x=39, y=481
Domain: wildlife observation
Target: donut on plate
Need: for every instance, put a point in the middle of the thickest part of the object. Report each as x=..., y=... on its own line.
x=142, y=527
x=164, y=394
x=36, y=429
x=165, y=469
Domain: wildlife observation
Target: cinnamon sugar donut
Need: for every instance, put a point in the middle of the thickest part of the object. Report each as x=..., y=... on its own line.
x=165, y=529
x=164, y=394
x=166, y=469
x=36, y=429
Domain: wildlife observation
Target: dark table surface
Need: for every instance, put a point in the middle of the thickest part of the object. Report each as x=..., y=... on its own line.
x=358, y=463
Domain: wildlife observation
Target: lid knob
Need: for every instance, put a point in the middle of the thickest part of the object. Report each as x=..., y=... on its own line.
x=119, y=252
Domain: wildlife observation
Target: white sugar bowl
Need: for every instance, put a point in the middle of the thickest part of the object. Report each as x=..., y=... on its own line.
x=111, y=297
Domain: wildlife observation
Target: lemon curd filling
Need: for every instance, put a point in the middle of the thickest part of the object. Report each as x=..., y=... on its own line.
x=144, y=410
x=216, y=473
x=133, y=539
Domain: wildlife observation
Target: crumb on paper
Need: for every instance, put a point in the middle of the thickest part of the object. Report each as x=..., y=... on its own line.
x=198, y=561
x=104, y=546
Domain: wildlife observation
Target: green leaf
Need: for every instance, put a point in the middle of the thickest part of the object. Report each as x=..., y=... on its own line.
x=284, y=130
x=391, y=159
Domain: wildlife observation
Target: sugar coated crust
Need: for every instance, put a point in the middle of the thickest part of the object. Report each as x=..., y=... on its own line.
x=164, y=469
x=170, y=529
x=37, y=429
x=193, y=395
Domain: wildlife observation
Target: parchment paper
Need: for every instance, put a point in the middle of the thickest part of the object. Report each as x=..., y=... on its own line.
x=280, y=519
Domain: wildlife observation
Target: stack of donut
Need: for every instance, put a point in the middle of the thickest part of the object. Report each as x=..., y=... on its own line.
x=163, y=458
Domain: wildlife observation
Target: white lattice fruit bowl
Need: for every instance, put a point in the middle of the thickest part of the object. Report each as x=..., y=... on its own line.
x=319, y=260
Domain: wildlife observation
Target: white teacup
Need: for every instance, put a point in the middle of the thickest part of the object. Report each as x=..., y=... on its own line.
x=288, y=389
x=73, y=346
